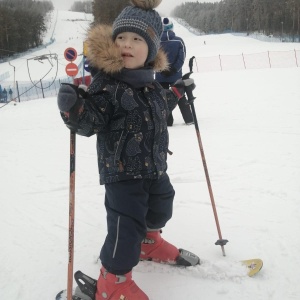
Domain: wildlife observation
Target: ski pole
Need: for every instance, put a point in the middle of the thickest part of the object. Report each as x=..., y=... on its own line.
x=71, y=214
x=191, y=98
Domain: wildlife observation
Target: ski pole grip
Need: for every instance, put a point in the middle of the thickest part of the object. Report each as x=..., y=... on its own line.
x=189, y=93
x=189, y=89
x=191, y=63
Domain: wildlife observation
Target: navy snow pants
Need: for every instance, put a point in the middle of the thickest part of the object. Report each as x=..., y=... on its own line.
x=133, y=206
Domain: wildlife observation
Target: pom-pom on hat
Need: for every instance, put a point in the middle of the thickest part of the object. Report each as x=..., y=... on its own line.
x=142, y=19
x=168, y=24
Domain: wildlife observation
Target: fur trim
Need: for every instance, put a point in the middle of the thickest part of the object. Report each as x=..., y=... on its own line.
x=102, y=51
x=161, y=61
x=104, y=54
x=146, y=4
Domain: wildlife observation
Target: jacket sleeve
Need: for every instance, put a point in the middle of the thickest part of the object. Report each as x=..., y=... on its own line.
x=93, y=115
x=181, y=54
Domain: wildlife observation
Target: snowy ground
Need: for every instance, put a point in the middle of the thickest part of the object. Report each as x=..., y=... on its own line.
x=250, y=127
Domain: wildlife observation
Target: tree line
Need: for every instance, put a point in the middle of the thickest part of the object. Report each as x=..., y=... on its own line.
x=270, y=17
x=23, y=22
x=104, y=11
x=22, y=25
x=82, y=6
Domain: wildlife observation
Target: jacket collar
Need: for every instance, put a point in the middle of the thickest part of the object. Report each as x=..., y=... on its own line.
x=103, y=53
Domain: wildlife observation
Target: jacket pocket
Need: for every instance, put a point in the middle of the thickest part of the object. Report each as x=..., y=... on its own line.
x=120, y=146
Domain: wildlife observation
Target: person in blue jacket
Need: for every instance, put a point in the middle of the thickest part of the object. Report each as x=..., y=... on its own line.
x=175, y=49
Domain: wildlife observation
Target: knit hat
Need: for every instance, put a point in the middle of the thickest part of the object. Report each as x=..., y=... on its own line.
x=142, y=19
x=168, y=24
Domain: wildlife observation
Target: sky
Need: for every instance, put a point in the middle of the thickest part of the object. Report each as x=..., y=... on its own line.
x=164, y=7
x=249, y=123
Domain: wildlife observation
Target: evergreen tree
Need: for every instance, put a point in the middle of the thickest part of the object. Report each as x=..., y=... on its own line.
x=82, y=6
x=105, y=11
x=22, y=25
x=278, y=17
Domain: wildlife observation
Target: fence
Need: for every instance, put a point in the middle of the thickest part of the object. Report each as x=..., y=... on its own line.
x=269, y=59
x=40, y=89
x=25, y=90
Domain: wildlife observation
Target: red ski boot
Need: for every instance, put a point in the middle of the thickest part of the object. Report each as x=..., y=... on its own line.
x=155, y=248
x=118, y=287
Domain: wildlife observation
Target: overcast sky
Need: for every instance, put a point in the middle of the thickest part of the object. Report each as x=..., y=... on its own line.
x=164, y=8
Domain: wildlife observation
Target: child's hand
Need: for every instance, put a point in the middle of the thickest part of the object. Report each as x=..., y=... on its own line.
x=70, y=95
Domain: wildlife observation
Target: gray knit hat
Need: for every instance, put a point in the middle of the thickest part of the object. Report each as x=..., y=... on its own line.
x=142, y=19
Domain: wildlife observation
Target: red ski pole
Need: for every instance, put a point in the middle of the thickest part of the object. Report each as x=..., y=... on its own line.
x=71, y=214
x=191, y=98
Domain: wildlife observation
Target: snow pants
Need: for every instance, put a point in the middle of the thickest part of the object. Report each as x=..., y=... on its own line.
x=132, y=207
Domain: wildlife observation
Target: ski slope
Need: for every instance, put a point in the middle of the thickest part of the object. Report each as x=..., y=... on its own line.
x=66, y=29
x=250, y=127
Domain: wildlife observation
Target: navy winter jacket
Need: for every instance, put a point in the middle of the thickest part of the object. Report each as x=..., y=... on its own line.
x=175, y=49
x=130, y=123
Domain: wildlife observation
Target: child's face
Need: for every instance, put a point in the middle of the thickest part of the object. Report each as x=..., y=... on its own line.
x=134, y=49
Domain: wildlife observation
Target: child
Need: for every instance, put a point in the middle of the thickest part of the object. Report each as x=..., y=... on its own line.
x=128, y=110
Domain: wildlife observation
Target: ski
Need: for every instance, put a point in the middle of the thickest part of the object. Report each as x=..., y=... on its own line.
x=86, y=288
x=63, y=296
x=253, y=265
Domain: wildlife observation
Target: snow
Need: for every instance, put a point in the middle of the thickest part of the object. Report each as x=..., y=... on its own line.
x=249, y=123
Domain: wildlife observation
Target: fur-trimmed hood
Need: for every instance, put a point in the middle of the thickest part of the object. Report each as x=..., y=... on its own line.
x=104, y=54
